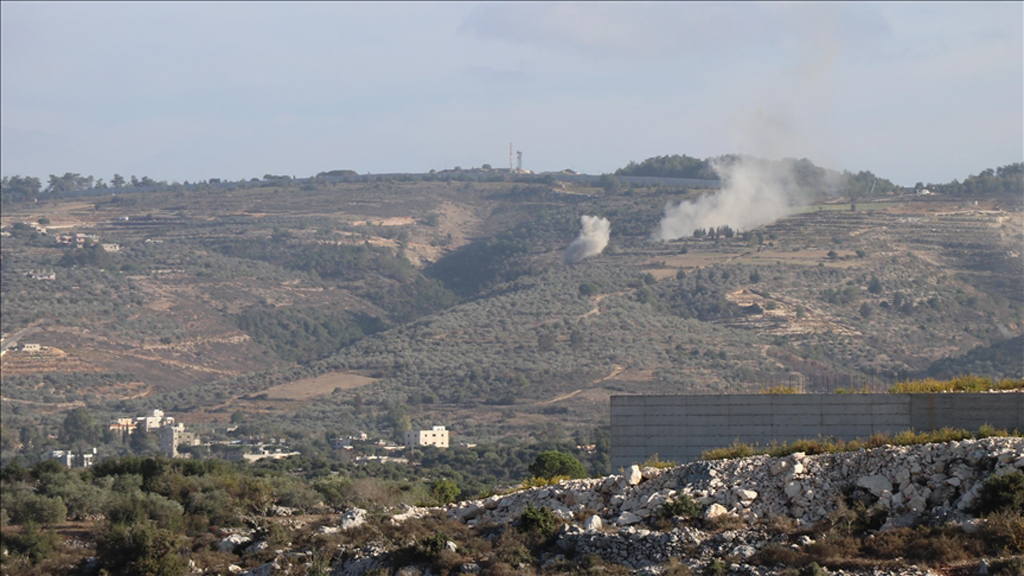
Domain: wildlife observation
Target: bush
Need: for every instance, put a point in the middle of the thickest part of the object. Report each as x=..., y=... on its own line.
x=682, y=505
x=553, y=463
x=539, y=521
x=1002, y=494
x=444, y=491
x=140, y=550
x=1003, y=532
x=32, y=542
x=716, y=567
x=656, y=462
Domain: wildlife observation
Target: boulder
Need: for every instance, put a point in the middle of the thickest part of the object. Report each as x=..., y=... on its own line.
x=354, y=518
x=876, y=484
x=593, y=524
x=634, y=476
x=627, y=518
x=714, y=511
x=232, y=542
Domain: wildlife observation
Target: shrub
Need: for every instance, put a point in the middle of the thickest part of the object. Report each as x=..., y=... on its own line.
x=444, y=491
x=656, y=462
x=682, y=505
x=554, y=463
x=778, y=555
x=716, y=567
x=1002, y=494
x=433, y=546
x=139, y=550
x=1003, y=532
x=812, y=569
x=539, y=521
x=32, y=542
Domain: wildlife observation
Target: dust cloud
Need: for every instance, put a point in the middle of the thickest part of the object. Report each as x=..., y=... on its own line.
x=592, y=240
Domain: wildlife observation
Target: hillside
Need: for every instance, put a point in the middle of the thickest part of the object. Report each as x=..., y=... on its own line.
x=331, y=307
x=895, y=510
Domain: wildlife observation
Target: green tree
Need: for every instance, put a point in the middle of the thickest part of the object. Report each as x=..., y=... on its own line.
x=140, y=550
x=875, y=286
x=444, y=491
x=80, y=428
x=143, y=442
x=18, y=188
x=554, y=463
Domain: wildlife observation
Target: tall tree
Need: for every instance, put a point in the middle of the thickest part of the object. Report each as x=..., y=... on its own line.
x=79, y=427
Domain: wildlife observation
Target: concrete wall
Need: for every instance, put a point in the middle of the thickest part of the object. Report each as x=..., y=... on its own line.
x=679, y=428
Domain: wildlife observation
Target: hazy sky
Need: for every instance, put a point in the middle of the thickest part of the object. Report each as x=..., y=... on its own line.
x=188, y=91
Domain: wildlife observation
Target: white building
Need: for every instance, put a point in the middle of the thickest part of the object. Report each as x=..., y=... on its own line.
x=173, y=436
x=154, y=421
x=436, y=436
x=71, y=460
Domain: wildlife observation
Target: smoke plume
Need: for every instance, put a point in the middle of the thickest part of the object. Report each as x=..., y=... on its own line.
x=592, y=240
x=754, y=192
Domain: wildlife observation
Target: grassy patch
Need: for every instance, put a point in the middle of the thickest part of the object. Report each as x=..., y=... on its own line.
x=831, y=445
x=959, y=384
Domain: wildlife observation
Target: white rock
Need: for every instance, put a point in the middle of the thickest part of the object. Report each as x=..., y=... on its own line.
x=627, y=518
x=256, y=547
x=793, y=489
x=635, y=476
x=745, y=495
x=745, y=551
x=469, y=512
x=232, y=541
x=235, y=569
x=354, y=518
x=715, y=510
x=875, y=484
x=263, y=569
x=593, y=524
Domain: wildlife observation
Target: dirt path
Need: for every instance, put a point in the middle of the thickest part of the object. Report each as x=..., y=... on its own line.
x=615, y=372
x=597, y=304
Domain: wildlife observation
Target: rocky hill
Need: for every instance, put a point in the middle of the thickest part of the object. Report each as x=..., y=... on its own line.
x=758, y=515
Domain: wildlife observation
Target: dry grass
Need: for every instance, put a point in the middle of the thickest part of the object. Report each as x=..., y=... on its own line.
x=959, y=384
x=308, y=388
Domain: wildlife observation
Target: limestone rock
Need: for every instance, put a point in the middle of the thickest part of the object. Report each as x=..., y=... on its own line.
x=715, y=510
x=233, y=541
x=634, y=476
x=627, y=518
x=354, y=518
x=875, y=484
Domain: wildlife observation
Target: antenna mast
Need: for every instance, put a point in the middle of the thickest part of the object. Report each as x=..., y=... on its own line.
x=519, y=160
x=510, y=157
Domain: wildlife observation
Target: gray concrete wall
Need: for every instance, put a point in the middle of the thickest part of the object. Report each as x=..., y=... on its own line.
x=680, y=428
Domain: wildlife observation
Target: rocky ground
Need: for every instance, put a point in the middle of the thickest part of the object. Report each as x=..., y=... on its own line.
x=620, y=520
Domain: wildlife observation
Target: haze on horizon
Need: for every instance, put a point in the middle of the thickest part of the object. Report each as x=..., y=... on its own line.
x=190, y=91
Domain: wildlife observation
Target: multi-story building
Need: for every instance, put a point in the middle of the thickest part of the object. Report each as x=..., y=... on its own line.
x=436, y=436
x=175, y=435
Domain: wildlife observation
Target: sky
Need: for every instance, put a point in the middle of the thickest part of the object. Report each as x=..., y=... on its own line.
x=182, y=91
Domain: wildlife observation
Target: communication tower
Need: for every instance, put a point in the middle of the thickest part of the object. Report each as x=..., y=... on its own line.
x=519, y=160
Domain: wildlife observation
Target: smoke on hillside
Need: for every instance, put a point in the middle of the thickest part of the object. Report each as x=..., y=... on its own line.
x=592, y=240
x=754, y=192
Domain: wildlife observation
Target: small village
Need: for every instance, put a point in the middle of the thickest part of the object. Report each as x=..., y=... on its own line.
x=177, y=441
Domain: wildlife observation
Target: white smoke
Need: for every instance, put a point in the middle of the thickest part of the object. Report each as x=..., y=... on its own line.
x=592, y=240
x=754, y=192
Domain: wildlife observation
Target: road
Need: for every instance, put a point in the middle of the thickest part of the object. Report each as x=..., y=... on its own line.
x=12, y=340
